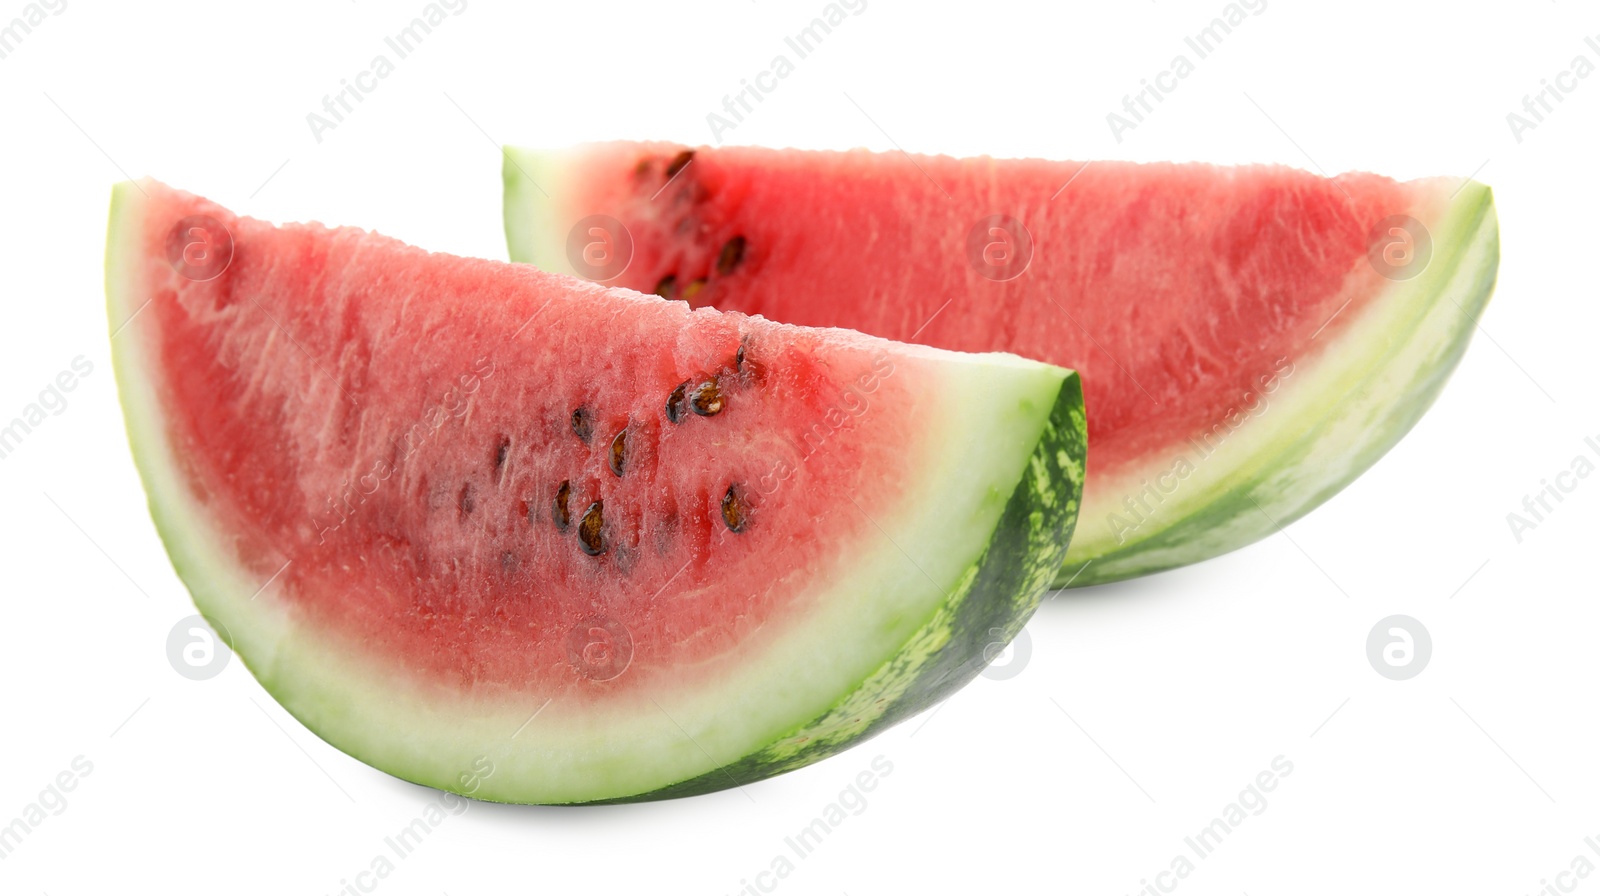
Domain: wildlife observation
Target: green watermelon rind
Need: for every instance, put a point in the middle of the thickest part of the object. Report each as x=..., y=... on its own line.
x=1358, y=397
x=970, y=614
x=523, y=174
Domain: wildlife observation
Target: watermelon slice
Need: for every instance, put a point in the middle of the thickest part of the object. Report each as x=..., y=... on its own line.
x=1251, y=338
x=463, y=515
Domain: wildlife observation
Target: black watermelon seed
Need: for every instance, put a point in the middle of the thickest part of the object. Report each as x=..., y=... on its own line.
x=738, y=359
x=732, y=253
x=589, y=529
x=678, y=162
x=666, y=286
x=733, y=513
x=583, y=424
x=619, y=451
x=467, y=501
x=675, y=402
x=707, y=399
x=558, y=507
x=501, y=451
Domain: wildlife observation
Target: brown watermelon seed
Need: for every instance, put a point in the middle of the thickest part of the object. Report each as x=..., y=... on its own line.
x=675, y=402
x=693, y=289
x=583, y=424
x=678, y=162
x=589, y=529
x=707, y=399
x=558, y=507
x=732, y=253
x=619, y=451
x=467, y=501
x=666, y=286
x=733, y=513
x=500, y=452
x=738, y=359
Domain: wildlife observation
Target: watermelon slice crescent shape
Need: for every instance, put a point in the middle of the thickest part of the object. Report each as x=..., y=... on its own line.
x=450, y=518
x=1251, y=339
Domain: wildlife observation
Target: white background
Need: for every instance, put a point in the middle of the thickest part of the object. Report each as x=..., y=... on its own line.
x=1145, y=707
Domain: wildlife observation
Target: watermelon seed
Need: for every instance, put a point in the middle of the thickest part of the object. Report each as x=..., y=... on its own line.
x=675, y=402
x=693, y=289
x=467, y=501
x=589, y=529
x=583, y=424
x=707, y=399
x=558, y=507
x=738, y=359
x=733, y=509
x=678, y=162
x=732, y=253
x=665, y=286
x=619, y=450
x=501, y=451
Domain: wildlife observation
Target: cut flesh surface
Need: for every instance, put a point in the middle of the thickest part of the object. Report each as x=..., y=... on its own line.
x=446, y=514
x=1251, y=338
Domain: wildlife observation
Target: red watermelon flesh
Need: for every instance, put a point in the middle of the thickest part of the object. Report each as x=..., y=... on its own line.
x=1306, y=320
x=431, y=496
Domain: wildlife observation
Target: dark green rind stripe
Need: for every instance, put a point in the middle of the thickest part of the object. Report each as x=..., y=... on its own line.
x=986, y=609
x=1244, y=503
